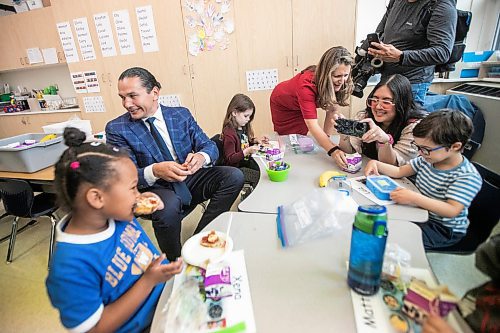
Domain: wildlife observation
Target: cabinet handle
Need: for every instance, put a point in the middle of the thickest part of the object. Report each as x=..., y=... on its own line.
x=26, y=61
x=103, y=78
x=21, y=61
x=191, y=70
x=287, y=62
x=60, y=56
x=184, y=69
x=110, y=81
x=297, y=63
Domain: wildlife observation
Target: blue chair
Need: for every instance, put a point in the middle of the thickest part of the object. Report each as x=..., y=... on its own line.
x=20, y=201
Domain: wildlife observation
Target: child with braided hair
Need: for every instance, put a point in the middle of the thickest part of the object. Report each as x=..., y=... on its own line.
x=106, y=275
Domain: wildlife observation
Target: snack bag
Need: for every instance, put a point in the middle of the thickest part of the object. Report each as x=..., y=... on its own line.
x=354, y=162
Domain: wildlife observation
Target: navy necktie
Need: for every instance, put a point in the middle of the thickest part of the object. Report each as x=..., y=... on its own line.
x=180, y=188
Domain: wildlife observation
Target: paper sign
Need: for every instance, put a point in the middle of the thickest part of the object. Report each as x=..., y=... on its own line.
x=105, y=34
x=123, y=32
x=170, y=100
x=50, y=56
x=84, y=40
x=93, y=104
x=67, y=42
x=78, y=81
x=146, y=23
x=34, y=55
x=265, y=79
x=91, y=81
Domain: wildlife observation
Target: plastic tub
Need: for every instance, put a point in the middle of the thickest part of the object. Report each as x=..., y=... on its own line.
x=381, y=186
x=30, y=158
x=278, y=176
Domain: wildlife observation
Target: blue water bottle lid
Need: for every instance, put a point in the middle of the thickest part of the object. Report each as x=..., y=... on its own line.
x=373, y=209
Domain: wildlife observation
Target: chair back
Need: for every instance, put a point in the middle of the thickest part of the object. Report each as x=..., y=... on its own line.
x=484, y=212
x=220, y=148
x=17, y=196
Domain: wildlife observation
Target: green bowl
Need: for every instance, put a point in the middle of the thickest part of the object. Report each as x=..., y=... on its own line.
x=278, y=176
x=5, y=98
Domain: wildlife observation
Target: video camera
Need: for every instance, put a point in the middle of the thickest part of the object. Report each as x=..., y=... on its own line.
x=365, y=65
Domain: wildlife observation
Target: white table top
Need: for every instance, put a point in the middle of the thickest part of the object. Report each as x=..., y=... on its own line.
x=303, y=288
x=303, y=178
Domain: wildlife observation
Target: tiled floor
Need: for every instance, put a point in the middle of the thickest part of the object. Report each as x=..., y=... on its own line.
x=25, y=307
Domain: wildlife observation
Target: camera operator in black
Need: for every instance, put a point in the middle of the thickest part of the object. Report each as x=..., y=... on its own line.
x=415, y=36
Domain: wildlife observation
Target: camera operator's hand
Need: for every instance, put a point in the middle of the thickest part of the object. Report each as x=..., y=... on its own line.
x=339, y=158
x=386, y=52
x=375, y=133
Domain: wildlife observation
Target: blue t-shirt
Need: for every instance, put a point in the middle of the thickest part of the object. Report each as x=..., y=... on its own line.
x=460, y=184
x=88, y=272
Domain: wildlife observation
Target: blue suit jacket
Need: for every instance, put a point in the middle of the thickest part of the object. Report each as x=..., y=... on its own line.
x=186, y=136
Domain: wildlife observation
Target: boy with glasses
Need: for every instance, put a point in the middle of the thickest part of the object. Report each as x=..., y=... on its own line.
x=447, y=180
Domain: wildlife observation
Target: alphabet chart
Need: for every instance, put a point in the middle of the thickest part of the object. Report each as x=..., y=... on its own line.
x=170, y=100
x=94, y=104
x=265, y=79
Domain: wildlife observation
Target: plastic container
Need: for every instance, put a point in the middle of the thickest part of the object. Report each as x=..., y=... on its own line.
x=30, y=158
x=306, y=144
x=381, y=186
x=278, y=176
x=368, y=240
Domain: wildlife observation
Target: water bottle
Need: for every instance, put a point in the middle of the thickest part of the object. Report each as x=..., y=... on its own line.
x=369, y=235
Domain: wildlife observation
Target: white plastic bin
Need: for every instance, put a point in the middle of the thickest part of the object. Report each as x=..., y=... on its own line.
x=30, y=158
x=58, y=128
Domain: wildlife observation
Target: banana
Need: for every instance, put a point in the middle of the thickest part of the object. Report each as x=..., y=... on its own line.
x=48, y=137
x=327, y=175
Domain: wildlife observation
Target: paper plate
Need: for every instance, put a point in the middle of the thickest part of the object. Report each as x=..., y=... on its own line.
x=197, y=255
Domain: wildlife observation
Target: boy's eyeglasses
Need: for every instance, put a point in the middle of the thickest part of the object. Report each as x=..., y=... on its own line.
x=384, y=103
x=424, y=150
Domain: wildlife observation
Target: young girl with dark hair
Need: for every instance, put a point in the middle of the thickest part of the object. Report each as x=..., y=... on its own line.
x=391, y=115
x=106, y=275
x=238, y=138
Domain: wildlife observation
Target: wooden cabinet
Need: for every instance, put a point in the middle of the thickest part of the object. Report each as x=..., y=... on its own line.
x=17, y=124
x=31, y=29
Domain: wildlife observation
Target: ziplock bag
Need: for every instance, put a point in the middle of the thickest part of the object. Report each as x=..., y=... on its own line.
x=319, y=213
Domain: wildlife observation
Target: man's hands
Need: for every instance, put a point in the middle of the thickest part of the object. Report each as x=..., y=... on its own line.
x=386, y=52
x=175, y=172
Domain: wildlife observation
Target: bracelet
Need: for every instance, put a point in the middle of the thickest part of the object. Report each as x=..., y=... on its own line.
x=389, y=142
x=330, y=152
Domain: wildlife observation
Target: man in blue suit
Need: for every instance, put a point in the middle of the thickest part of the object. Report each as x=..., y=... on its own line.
x=173, y=157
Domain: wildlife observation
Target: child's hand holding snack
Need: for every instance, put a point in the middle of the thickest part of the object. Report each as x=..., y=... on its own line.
x=148, y=203
x=250, y=150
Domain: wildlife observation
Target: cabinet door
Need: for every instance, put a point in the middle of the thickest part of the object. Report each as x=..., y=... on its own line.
x=214, y=73
x=263, y=31
x=35, y=29
x=318, y=27
x=10, y=54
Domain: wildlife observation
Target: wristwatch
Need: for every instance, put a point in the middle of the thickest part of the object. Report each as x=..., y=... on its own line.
x=330, y=152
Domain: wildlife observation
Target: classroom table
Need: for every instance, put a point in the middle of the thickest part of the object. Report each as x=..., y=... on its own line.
x=302, y=288
x=302, y=178
x=42, y=176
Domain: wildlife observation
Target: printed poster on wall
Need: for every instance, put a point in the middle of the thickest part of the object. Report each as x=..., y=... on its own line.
x=124, y=32
x=91, y=81
x=67, y=42
x=78, y=81
x=265, y=79
x=147, y=31
x=105, y=34
x=84, y=40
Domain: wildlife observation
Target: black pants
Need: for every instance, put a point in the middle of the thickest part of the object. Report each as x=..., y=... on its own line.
x=436, y=235
x=220, y=184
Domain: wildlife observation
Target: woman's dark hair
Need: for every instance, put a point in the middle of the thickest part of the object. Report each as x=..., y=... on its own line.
x=239, y=103
x=148, y=80
x=445, y=127
x=83, y=163
x=406, y=109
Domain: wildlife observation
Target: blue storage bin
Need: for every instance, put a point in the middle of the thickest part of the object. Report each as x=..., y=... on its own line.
x=381, y=186
x=476, y=56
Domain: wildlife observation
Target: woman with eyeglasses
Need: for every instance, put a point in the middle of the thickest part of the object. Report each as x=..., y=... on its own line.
x=326, y=85
x=391, y=115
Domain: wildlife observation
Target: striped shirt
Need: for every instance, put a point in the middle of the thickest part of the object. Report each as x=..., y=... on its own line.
x=460, y=184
